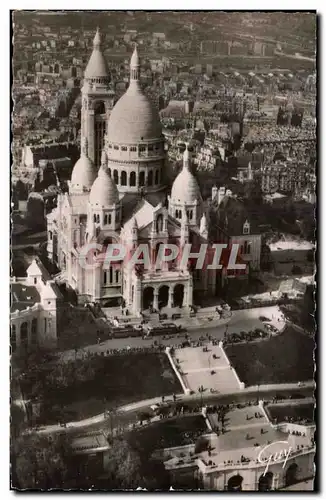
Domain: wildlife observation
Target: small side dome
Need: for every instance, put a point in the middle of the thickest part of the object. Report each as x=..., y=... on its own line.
x=104, y=192
x=83, y=174
x=185, y=188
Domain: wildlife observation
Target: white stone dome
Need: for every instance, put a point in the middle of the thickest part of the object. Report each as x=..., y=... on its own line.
x=134, y=118
x=104, y=192
x=185, y=188
x=96, y=67
x=84, y=173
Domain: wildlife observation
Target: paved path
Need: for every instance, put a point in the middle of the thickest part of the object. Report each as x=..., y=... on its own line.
x=243, y=320
x=247, y=393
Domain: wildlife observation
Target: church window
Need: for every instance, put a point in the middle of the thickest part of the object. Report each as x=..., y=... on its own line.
x=116, y=176
x=105, y=219
x=123, y=178
x=160, y=223
x=110, y=218
x=111, y=275
x=247, y=248
x=98, y=218
x=246, y=227
x=123, y=148
x=133, y=148
x=94, y=217
x=110, y=146
x=132, y=181
x=50, y=235
x=150, y=178
x=117, y=276
x=116, y=148
x=141, y=179
x=176, y=214
x=104, y=277
x=157, y=177
x=142, y=149
x=150, y=147
x=190, y=215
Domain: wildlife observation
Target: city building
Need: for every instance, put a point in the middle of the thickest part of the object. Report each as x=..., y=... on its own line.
x=35, y=310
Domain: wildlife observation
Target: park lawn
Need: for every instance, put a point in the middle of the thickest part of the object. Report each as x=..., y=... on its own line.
x=304, y=411
x=168, y=433
x=117, y=380
x=284, y=358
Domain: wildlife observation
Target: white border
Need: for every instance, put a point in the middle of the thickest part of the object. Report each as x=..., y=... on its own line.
x=5, y=169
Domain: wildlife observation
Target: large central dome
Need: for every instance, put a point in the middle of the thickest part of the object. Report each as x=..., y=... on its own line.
x=134, y=118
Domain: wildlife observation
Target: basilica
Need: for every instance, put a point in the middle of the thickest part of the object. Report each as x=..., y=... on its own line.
x=118, y=193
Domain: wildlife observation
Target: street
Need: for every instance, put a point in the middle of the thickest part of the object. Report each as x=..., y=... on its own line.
x=243, y=320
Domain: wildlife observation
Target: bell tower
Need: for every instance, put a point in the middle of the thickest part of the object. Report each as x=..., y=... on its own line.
x=97, y=102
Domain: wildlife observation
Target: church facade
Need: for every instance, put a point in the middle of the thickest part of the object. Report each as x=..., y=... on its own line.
x=118, y=194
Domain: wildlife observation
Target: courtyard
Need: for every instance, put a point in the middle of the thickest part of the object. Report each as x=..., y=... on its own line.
x=82, y=388
x=285, y=358
x=208, y=369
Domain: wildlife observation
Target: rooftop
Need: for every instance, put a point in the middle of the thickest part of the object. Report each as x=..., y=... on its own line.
x=23, y=296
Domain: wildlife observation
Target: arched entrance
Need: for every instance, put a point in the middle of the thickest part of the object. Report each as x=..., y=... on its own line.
x=265, y=482
x=148, y=297
x=178, y=294
x=163, y=296
x=291, y=475
x=235, y=483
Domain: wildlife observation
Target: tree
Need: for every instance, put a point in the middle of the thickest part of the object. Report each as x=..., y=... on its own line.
x=129, y=469
x=40, y=462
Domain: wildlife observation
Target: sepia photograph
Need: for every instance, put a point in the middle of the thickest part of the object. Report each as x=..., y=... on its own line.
x=162, y=250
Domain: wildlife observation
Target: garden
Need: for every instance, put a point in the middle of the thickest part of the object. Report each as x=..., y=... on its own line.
x=178, y=431
x=85, y=387
x=284, y=358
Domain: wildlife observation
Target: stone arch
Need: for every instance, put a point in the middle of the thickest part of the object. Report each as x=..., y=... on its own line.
x=235, y=483
x=148, y=297
x=24, y=334
x=142, y=179
x=178, y=295
x=163, y=296
x=150, y=178
x=291, y=475
x=123, y=178
x=116, y=176
x=265, y=482
x=132, y=180
x=13, y=338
